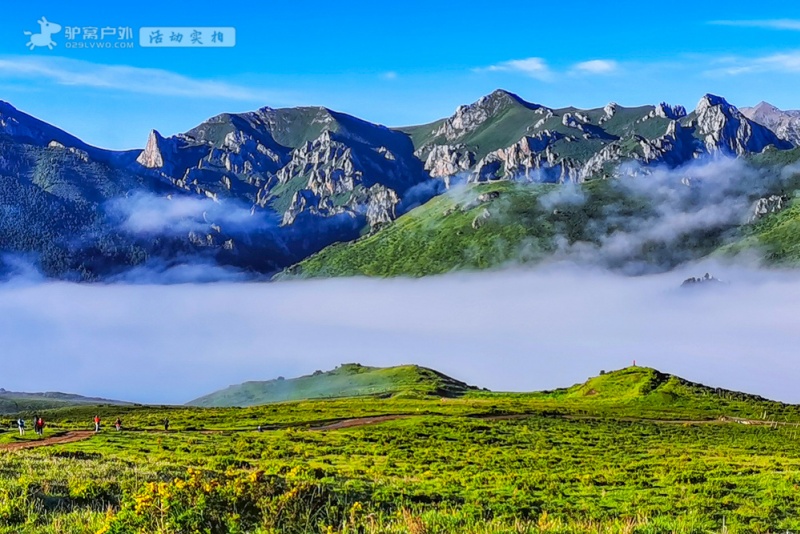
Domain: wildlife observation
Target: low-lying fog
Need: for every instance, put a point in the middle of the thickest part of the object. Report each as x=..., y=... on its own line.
x=517, y=330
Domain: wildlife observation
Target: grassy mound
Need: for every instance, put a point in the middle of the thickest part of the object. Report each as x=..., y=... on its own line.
x=348, y=380
x=647, y=392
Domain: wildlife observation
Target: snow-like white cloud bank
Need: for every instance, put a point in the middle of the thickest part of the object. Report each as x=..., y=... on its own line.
x=516, y=330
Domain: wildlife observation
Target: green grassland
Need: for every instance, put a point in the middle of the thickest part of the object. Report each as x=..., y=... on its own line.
x=633, y=451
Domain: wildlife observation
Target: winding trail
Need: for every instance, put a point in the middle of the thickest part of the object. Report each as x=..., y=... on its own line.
x=56, y=439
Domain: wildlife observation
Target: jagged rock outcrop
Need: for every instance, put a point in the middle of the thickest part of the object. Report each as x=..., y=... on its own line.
x=481, y=219
x=609, y=110
x=765, y=206
x=381, y=205
x=329, y=164
x=152, y=156
x=332, y=165
x=444, y=161
x=312, y=203
x=530, y=159
x=666, y=111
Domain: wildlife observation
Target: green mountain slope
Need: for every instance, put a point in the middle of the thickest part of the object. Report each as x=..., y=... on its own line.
x=348, y=380
x=773, y=237
x=491, y=225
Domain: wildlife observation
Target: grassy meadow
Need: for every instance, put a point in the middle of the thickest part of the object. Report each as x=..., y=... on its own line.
x=628, y=451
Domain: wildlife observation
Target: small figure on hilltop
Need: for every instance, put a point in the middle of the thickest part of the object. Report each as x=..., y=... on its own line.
x=21, y=426
x=118, y=424
x=166, y=425
x=97, y=423
x=38, y=426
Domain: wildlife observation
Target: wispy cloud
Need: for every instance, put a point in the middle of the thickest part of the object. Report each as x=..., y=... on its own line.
x=769, y=24
x=595, y=66
x=786, y=62
x=73, y=72
x=535, y=67
x=390, y=75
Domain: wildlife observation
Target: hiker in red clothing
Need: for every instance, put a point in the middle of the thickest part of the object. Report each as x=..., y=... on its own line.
x=97, y=423
x=40, y=426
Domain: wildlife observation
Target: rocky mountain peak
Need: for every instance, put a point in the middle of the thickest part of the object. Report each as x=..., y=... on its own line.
x=500, y=96
x=785, y=124
x=765, y=107
x=724, y=128
x=710, y=101
x=468, y=118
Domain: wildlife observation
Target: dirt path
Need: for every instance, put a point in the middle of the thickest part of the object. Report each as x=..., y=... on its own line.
x=359, y=421
x=57, y=439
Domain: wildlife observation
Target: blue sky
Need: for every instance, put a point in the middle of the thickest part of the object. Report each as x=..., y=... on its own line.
x=394, y=63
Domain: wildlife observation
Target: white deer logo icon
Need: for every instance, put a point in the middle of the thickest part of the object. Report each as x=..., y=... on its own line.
x=43, y=37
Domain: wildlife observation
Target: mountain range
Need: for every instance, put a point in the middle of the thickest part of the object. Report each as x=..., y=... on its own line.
x=15, y=402
x=263, y=192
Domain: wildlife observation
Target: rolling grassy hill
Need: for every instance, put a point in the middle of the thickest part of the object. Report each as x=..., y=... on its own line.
x=647, y=392
x=348, y=380
x=635, y=392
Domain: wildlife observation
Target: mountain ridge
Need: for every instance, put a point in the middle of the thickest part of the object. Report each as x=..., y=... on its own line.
x=301, y=179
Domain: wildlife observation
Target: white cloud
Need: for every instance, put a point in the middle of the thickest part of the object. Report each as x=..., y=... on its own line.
x=390, y=75
x=73, y=72
x=770, y=24
x=786, y=62
x=515, y=330
x=596, y=66
x=535, y=67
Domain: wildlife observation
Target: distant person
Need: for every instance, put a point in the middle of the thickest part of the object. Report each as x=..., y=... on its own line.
x=166, y=425
x=97, y=423
x=260, y=428
x=35, y=421
x=40, y=426
x=118, y=424
x=21, y=426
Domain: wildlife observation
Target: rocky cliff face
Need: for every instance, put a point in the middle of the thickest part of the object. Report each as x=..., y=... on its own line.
x=469, y=118
x=335, y=172
x=531, y=159
x=723, y=128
